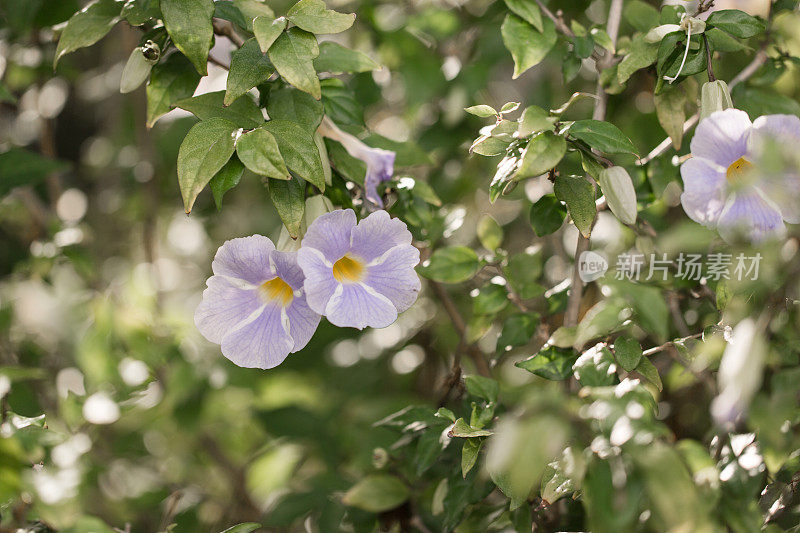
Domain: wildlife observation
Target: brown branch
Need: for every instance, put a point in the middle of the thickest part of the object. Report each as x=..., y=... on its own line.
x=600, y=106
x=562, y=26
x=477, y=356
x=225, y=29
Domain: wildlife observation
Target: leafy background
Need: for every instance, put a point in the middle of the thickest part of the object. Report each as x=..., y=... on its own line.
x=117, y=414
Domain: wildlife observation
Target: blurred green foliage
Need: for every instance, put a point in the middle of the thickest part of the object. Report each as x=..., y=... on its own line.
x=118, y=416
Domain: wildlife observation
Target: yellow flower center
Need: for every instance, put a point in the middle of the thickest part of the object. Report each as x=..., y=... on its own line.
x=348, y=270
x=278, y=290
x=738, y=169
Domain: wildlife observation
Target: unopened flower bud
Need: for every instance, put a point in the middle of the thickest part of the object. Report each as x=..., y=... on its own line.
x=617, y=187
x=714, y=97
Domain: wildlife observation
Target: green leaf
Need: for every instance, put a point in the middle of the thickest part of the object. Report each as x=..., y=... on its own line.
x=482, y=387
x=641, y=54
x=528, y=46
x=628, y=352
x=509, y=107
x=547, y=215
x=463, y=430
x=723, y=42
x=313, y=16
x=490, y=233
x=203, y=153
x=337, y=59
x=171, y=80
x=299, y=151
x=6, y=95
x=452, y=265
x=252, y=9
x=528, y=11
x=641, y=15
x=550, y=363
x=243, y=111
x=671, y=112
x=137, y=12
x=290, y=104
x=523, y=271
x=226, y=179
x=647, y=369
x=544, y=152
x=602, y=136
x=737, y=23
x=227, y=10
x=758, y=101
x=259, y=152
x=87, y=26
x=603, y=318
x=247, y=527
x=188, y=23
x=289, y=200
x=650, y=307
x=517, y=331
x=670, y=58
x=490, y=300
x=340, y=103
x=249, y=68
x=469, y=454
x=534, y=119
x=578, y=194
x=21, y=167
x=268, y=30
x=377, y=493
x=595, y=368
x=481, y=110
x=292, y=54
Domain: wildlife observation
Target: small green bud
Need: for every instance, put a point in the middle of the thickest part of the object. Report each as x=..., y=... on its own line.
x=714, y=96
x=136, y=71
x=617, y=187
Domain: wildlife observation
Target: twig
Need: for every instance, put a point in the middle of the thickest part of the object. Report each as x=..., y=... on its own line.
x=709, y=62
x=669, y=344
x=562, y=27
x=225, y=29
x=215, y=61
x=477, y=356
x=600, y=106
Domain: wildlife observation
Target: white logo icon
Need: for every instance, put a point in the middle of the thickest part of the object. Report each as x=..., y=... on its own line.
x=591, y=266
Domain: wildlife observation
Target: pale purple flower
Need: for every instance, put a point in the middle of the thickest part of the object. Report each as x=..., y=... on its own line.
x=359, y=275
x=727, y=187
x=380, y=163
x=255, y=306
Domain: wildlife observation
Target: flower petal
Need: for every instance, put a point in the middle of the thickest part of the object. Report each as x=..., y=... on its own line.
x=782, y=128
x=264, y=342
x=722, y=137
x=380, y=167
x=376, y=234
x=394, y=276
x=704, y=186
x=303, y=322
x=319, y=283
x=748, y=213
x=223, y=307
x=286, y=267
x=356, y=305
x=783, y=188
x=330, y=233
x=246, y=258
